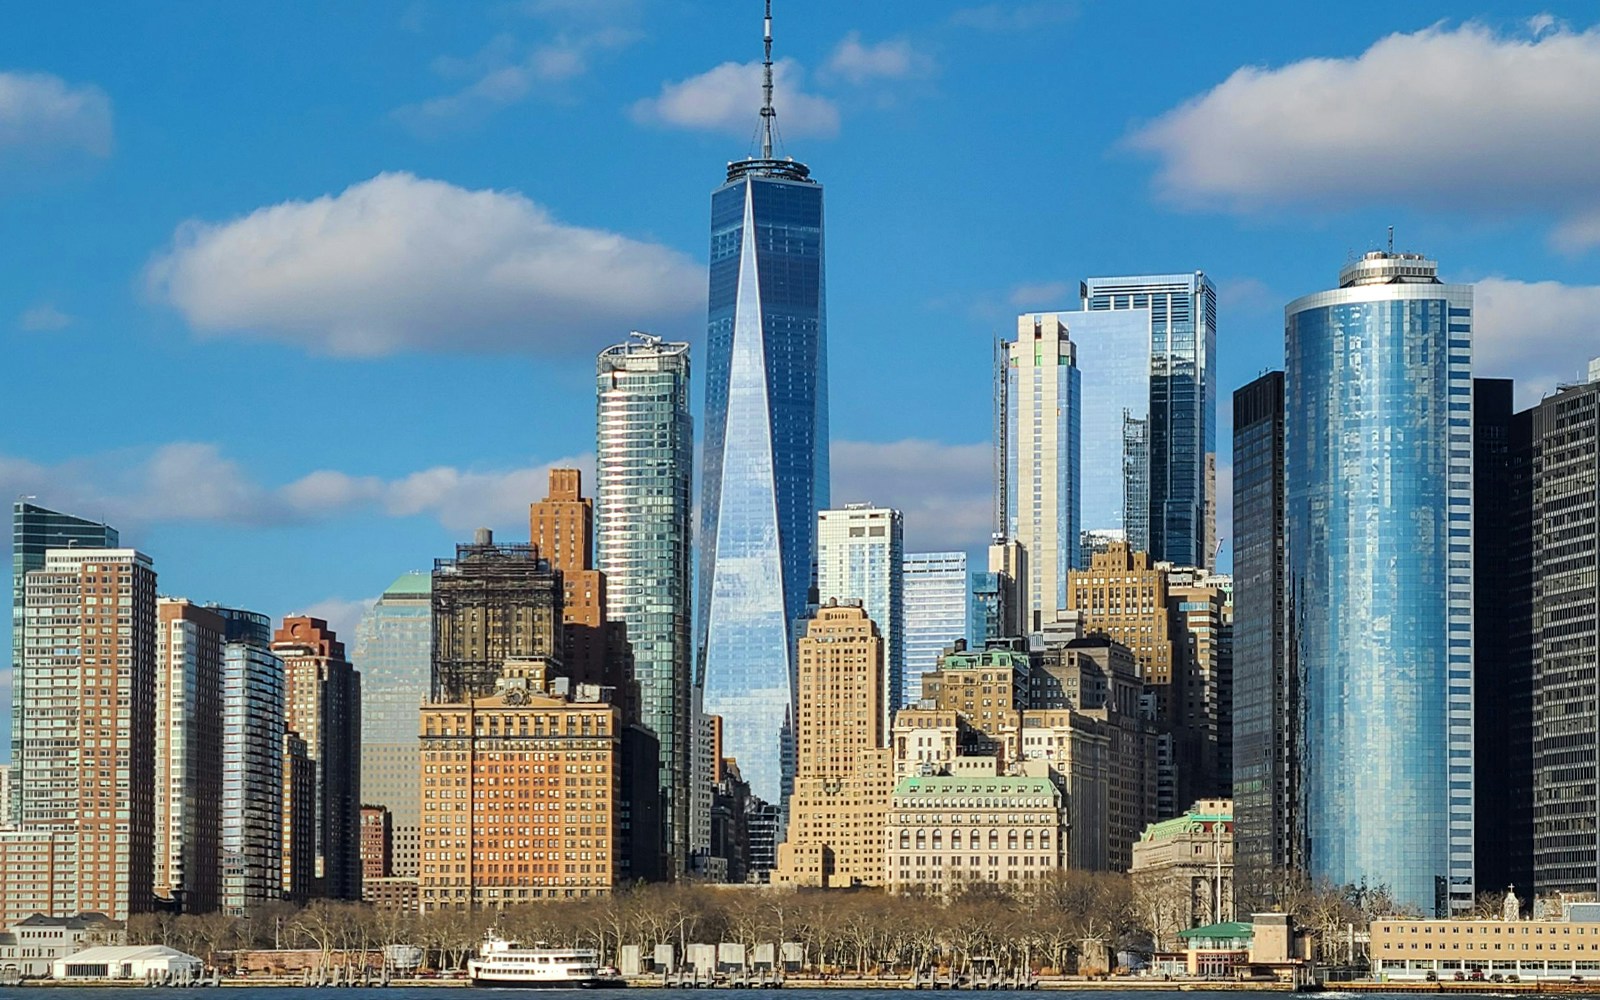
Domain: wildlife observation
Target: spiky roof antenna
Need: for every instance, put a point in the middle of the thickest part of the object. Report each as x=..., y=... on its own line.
x=767, y=112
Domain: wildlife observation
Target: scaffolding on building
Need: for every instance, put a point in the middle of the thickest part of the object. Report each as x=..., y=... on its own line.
x=491, y=603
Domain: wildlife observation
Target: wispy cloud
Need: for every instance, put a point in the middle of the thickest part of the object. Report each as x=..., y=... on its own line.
x=1042, y=295
x=192, y=481
x=944, y=490
x=41, y=114
x=726, y=98
x=342, y=615
x=1462, y=118
x=891, y=59
x=1540, y=333
x=43, y=318
x=401, y=263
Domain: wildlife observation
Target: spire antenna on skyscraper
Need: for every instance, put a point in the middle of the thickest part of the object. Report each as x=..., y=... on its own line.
x=767, y=111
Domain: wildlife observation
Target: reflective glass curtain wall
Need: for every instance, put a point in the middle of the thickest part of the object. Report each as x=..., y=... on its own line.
x=1378, y=394
x=1180, y=438
x=935, y=596
x=1114, y=359
x=766, y=454
x=643, y=506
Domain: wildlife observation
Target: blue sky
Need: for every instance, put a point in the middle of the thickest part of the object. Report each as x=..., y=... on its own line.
x=297, y=294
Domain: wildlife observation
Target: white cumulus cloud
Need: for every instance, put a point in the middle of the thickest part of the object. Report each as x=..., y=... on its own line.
x=401, y=263
x=40, y=113
x=342, y=615
x=944, y=490
x=727, y=98
x=1461, y=118
x=1541, y=333
x=891, y=59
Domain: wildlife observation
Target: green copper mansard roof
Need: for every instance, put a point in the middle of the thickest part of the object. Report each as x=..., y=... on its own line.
x=412, y=584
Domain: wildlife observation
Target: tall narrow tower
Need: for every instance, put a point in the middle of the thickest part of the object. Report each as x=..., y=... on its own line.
x=766, y=445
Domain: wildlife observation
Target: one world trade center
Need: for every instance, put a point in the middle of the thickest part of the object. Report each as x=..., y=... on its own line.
x=766, y=447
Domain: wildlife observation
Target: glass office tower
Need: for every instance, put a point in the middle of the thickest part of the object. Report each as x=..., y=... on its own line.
x=1266, y=696
x=935, y=594
x=1378, y=467
x=35, y=529
x=1180, y=439
x=766, y=453
x=860, y=549
x=254, y=700
x=1114, y=363
x=394, y=652
x=644, y=465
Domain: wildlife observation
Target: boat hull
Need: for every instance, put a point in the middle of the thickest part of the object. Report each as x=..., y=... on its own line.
x=509, y=983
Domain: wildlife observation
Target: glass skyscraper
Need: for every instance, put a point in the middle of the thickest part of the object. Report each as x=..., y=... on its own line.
x=1378, y=467
x=1114, y=363
x=394, y=652
x=34, y=529
x=1179, y=446
x=935, y=597
x=985, y=617
x=1266, y=696
x=766, y=453
x=1037, y=420
x=644, y=461
x=253, y=706
x=860, y=549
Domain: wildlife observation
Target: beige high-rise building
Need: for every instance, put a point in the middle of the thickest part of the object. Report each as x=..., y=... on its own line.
x=1039, y=462
x=843, y=772
x=87, y=728
x=520, y=792
x=323, y=705
x=188, y=748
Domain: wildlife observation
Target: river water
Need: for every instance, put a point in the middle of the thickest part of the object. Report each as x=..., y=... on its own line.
x=464, y=993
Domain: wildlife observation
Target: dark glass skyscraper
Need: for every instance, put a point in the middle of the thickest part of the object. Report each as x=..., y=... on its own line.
x=766, y=448
x=1266, y=698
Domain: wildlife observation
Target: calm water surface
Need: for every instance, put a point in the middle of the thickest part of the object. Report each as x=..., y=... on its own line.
x=463, y=993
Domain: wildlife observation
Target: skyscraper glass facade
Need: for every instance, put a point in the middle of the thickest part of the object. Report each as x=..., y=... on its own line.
x=1181, y=435
x=644, y=461
x=935, y=595
x=766, y=453
x=860, y=549
x=1378, y=440
x=35, y=529
x=1265, y=691
x=1039, y=443
x=253, y=704
x=394, y=650
x=985, y=618
x=1114, y=365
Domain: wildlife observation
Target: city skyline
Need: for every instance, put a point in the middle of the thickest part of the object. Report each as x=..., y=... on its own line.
x=383, y=502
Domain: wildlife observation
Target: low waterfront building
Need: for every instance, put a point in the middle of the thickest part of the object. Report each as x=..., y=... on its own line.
x=30, y=947
x=973, y=826
x=1406, y=949
x=135, y=962
x=1270, y=945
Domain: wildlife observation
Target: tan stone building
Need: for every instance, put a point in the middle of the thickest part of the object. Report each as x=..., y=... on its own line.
x=1075, y=750
x=520, y=793
x=842, y=767
x=1403, y=949
x=986, y=686
x=973, y=825
x=1183, y=869
x=929, y=739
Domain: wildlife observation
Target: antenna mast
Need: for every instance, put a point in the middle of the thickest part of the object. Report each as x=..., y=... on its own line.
x=767, y=113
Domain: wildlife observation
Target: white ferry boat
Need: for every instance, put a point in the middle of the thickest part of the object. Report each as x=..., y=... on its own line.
x=507, y=963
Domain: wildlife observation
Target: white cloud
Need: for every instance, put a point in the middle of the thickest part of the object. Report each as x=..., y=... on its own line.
x=891, y=59
x=189, y=481
x=1462, y=118
x=944, y=490
x=1541, y=333
x=727, y=98
x=1248, y=295
x=43, y=318
x=341, y=614
x=1042, y=295
x=401, y=263
x=41, y=113
x=1012, y=17
x=506, y=72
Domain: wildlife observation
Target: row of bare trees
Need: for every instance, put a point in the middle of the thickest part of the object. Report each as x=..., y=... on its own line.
x=1070, y=922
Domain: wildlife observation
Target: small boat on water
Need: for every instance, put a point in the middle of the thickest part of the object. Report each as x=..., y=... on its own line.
x=507, y=963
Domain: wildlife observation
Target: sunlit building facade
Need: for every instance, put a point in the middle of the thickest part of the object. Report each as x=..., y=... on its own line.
x=766, y=454
x=1379, y=438
x=934, y=593
x=253, y=706
x=860, y=549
